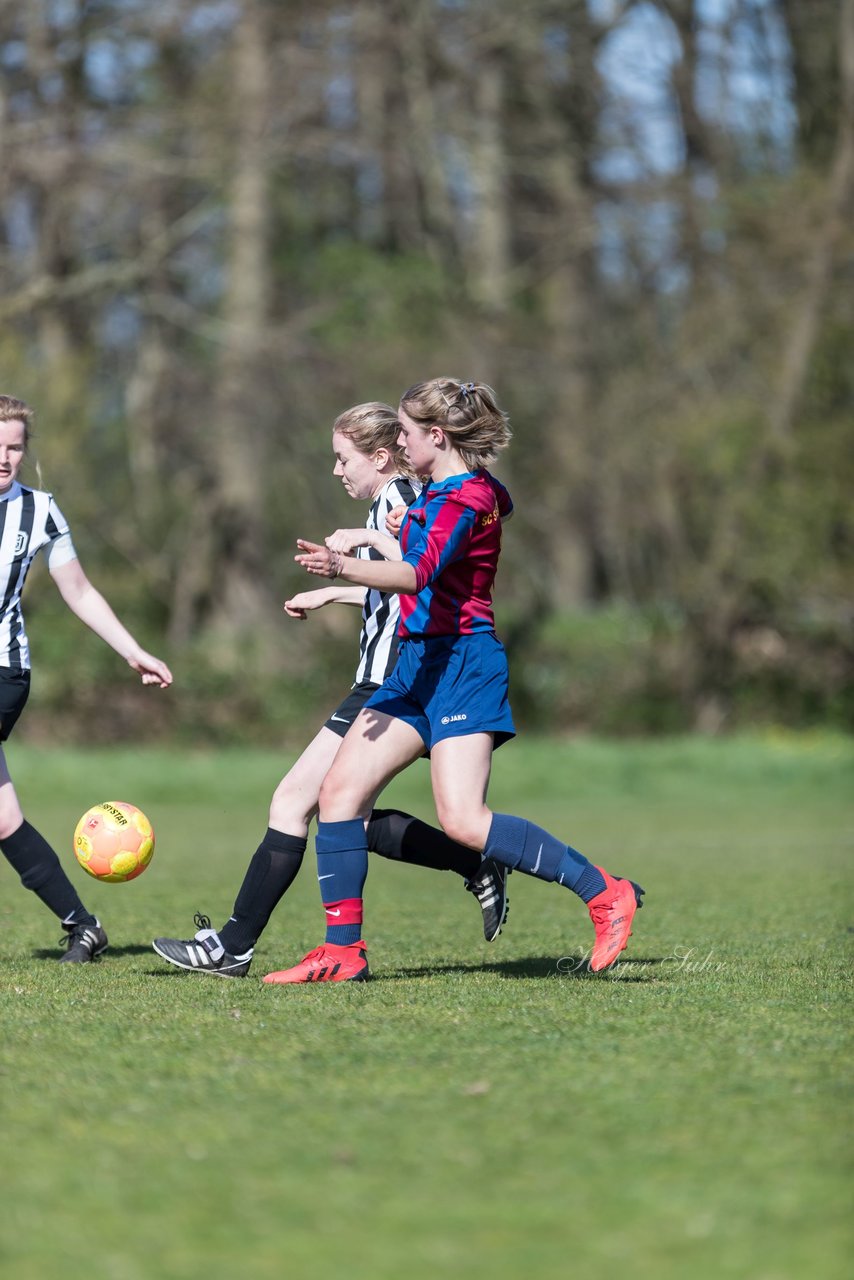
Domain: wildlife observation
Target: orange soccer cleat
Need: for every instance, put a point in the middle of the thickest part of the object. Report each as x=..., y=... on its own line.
x=612, y=912
x=329, y=962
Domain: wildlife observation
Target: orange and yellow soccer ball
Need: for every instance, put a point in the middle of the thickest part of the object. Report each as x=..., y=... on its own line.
x=114, y=841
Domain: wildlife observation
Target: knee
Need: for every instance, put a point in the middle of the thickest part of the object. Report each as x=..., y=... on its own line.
x=341, y=797
x=11, y=816
x=466, y=827
x=291, y=808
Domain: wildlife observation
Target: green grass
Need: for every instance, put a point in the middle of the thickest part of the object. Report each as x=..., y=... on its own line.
x=476, y=1110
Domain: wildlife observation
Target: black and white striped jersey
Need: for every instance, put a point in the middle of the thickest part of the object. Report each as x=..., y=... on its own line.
x=381, y=612
x=30, y=520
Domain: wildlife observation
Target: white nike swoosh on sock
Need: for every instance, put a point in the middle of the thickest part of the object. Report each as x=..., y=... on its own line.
x=536, y=866
x=330, y=912
x=327, y=877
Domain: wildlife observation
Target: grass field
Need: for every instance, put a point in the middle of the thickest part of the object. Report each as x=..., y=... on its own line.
x=476, y=1110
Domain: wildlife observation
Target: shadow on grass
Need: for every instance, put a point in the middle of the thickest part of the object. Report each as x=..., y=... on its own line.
x=134, y=949
x=167, y=970
x=630, y=969
x=573, y=967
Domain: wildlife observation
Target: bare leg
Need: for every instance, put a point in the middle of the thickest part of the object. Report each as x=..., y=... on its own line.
x=375, y=750
x=295, y=799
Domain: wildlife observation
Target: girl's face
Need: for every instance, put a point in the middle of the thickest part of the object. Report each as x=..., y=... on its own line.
x=360, y=473
x=13, y=446
x=418, y=444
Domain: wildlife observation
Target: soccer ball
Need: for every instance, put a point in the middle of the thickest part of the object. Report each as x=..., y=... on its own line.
x=114, y=841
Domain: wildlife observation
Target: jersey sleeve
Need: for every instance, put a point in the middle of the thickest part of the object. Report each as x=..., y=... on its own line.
x=402, y=493
x=505, y=502
x=502, y=497
x=59, y=548
x=60, y=551
x=55, y=523
x=440, y=540
x=399, y=492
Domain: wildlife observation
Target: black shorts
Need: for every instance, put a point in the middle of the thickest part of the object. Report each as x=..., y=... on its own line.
x=342, y=717
x=14, y=691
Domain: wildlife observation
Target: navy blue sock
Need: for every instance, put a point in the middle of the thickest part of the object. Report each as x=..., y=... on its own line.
x=522, y=845
x=342, y=868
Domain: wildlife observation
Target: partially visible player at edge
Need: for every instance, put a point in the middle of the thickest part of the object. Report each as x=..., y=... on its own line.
x=371, y=466
x=448, y=691
x=30, y=521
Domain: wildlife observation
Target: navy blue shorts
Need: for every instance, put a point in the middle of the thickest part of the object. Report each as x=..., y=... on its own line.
x=14, y=691
x=344, y=715
x=449, y=687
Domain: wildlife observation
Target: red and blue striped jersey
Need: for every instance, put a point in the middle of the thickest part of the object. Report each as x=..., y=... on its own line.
x=451, y=536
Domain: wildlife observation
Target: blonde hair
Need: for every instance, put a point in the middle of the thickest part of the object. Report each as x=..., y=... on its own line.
x=373, y=426
x=468, y=413
x=12, y=410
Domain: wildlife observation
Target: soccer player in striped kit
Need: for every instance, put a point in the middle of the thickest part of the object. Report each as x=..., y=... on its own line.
x=448, y=691
x=370, y=465
x=30, y=521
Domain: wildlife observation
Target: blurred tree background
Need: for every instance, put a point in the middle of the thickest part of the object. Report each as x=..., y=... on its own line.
x=223, y=221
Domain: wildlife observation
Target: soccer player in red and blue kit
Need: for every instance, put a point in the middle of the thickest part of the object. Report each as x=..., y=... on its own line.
x=370, y=464
x=448, y=691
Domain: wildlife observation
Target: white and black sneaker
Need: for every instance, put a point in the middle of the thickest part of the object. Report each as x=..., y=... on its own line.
x=82, y=942
x=489, y=886
x=204, y=953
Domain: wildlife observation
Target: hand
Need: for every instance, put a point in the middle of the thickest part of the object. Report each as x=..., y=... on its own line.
x=394, y=520
x=300, y=605
x=318, y=559
x=346, y=540
x=152, y=670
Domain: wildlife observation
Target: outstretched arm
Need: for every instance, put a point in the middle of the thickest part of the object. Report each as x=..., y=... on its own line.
x=91, y=607
x=304, y=602
x=384, y=575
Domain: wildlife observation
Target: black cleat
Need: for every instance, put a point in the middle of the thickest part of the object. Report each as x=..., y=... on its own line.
x=204, y=953
x=82, y=942
x=489, y=886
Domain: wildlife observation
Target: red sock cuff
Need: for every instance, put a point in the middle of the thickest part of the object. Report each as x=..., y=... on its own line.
x=347, y=911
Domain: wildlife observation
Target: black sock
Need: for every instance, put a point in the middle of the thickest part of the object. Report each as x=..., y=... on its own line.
x=269, y=875
x=397, y=835
x=40, y=870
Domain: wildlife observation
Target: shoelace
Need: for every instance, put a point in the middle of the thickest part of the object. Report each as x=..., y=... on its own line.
x=480, y=885
x=79, y=933
x=201, y=921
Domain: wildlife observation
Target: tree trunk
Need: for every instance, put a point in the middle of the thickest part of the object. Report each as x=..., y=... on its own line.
x=822, y=251
x=489, y=254
x=239, y=603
